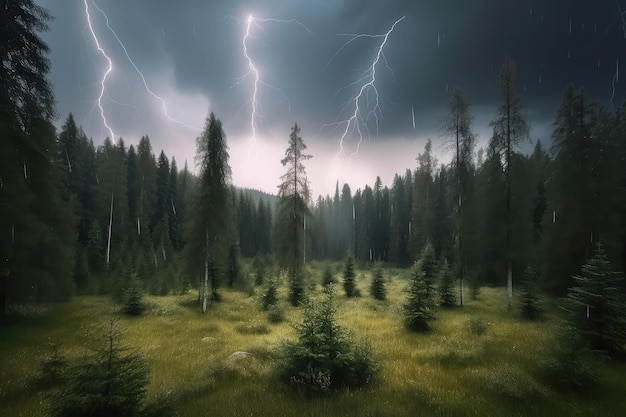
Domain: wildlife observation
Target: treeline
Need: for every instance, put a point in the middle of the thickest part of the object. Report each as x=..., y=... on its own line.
x=562, y=200
x=130, y=210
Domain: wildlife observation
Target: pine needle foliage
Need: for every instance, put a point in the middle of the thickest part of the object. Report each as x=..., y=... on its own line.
x=349, y=286
x=112, y=382
x=418, y=308
x=447, y=297
x=377, y=288
x=595, y=305
x=325, y=356
x=530, y=305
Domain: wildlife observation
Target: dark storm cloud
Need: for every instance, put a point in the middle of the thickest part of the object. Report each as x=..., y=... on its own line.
x=193, y=47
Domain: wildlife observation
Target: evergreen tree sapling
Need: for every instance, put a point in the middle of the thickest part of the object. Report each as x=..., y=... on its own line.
x=112, y=382
x=325, y=356
x=349, y=286
x=530, y=307
x=595, y=305
x=377, y=288
x=447, y=297
x=269, y=297
x=328, y=277
x=418, y=308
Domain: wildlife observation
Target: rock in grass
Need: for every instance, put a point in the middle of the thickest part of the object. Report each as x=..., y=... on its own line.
x=209, y=340
x=238, y=356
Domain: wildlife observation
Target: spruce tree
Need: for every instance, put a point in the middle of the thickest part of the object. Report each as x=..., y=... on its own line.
x=509, y=129
x=327, y=276
x=289, y=229
x=208, y=223
x=418, y=308
x=446, y=286
x=325, y=356
x=377, y=288
x=530, y=308
x=348, y=276
x=270, y=296
x=595, y=305
x=111, y=382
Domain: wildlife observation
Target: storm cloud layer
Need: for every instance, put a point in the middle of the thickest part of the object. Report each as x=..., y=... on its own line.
x=191, y=54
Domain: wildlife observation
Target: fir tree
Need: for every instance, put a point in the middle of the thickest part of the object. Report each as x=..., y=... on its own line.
x=348, y=276
x=112, y=382
x=324, y=357
x=418, y=308
x=270, y=296
x=530, y=308
x=377, y=288
x=328, y=276
x=294, y=195
x=134, y=305
x=446, y=286
x=595, y=306
x=207, y=226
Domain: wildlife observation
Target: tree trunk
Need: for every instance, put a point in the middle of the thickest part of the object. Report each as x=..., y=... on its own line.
x=205, y=286
x=509, y=286
x=3, y=298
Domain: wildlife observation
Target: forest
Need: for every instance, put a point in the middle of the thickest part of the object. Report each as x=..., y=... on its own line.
x=195, y=295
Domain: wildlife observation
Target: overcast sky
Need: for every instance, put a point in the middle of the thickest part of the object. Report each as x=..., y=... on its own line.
x=191, y=54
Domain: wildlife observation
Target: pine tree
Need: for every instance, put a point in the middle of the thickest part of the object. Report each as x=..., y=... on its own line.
x=289, y=233
x=446, y=286
x=348, y=276
x=377, y=288
x=112, y=382
x=509, y=129
x=134, y=304
x=207, y=226
x=270, y=296
x=458, y=126
x=418, y=308
x=36, y=225
x=595, y=306
x=324, y=357
x=531, y=310
x=328, y=276
x=234, y=266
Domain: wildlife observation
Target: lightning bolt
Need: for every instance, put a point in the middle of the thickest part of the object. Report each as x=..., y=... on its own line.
x=106, y=73
x=367, y=87
x=141, y=75
x=253, y=72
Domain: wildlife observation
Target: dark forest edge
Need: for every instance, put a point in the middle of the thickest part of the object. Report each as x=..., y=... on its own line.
x=82, y=219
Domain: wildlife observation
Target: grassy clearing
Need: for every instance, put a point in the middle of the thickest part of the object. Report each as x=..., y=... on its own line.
x=478, y=360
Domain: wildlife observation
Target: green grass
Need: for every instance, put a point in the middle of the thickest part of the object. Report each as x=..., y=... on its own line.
x=455, y=370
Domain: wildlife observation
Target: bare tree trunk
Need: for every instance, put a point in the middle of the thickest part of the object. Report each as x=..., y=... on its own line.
x=110, y=225
x=509, y=285
x=205, y=286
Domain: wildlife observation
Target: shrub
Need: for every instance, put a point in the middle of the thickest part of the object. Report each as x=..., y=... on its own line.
x=476, y=326
x=275, y=314
x=377, y=289
x=324, y=356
